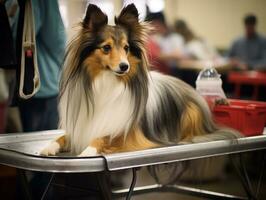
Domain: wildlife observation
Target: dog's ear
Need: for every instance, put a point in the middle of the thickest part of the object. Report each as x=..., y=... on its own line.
x=128, y=18
x=137, y=31
x=94, y=18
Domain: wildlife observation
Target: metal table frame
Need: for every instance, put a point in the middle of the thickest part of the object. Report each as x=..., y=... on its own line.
x=21, y=151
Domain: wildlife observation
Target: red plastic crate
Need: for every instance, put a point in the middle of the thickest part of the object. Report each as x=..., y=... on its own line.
x=248, y=117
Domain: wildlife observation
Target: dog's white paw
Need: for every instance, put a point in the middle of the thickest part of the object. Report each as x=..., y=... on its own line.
x=52, y=149
x=89, y=151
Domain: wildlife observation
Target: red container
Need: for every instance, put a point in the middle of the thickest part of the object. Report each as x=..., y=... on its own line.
x=248, y=117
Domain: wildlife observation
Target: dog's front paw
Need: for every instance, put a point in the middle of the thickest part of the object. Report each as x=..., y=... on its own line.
x=52, y=149
x=89, y=151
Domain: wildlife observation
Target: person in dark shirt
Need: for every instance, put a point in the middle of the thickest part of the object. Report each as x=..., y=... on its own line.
x=249, y=52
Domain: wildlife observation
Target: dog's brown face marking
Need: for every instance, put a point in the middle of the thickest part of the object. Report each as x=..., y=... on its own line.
x=112, y=50
x=111, y=53
x=118, y=48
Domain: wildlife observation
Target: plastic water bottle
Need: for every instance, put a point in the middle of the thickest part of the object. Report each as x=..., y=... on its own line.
x=209, y=85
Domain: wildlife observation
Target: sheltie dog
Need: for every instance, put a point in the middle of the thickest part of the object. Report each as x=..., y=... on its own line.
x=110, y=102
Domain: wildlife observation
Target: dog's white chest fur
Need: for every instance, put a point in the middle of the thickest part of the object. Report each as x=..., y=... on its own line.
x=111, y=114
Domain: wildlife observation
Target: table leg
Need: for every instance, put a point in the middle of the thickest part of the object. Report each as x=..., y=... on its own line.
x=103, y=179
x=24, y=184
x=47, y=187
x=243, y=175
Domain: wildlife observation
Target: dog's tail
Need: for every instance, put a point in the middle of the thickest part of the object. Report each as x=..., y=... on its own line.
x=175, y=113
x=196, y=124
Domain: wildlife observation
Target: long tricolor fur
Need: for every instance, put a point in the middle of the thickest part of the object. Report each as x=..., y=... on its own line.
x=104, y=110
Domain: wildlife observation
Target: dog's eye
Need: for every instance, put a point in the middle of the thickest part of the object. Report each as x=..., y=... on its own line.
x=126, y=48
x=106, y=48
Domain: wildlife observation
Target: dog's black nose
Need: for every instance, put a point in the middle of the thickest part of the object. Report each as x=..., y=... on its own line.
x=123, y=67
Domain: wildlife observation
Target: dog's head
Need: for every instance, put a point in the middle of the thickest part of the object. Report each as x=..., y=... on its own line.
x=118, y=48
x=98, y=47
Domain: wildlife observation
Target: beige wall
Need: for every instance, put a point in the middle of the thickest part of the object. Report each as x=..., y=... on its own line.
x=219, y=21
x=75, y=10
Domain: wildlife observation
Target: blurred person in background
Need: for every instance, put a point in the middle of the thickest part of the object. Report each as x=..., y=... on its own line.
x=196, y=47
x=3, y=100
x=199, y=54
x=249, y=51
x=41, y=111
x=164, y=47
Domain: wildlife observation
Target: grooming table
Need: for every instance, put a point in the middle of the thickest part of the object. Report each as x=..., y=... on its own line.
x=21, y=151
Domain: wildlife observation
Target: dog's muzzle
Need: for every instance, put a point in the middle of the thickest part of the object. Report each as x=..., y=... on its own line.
x=123, y=69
